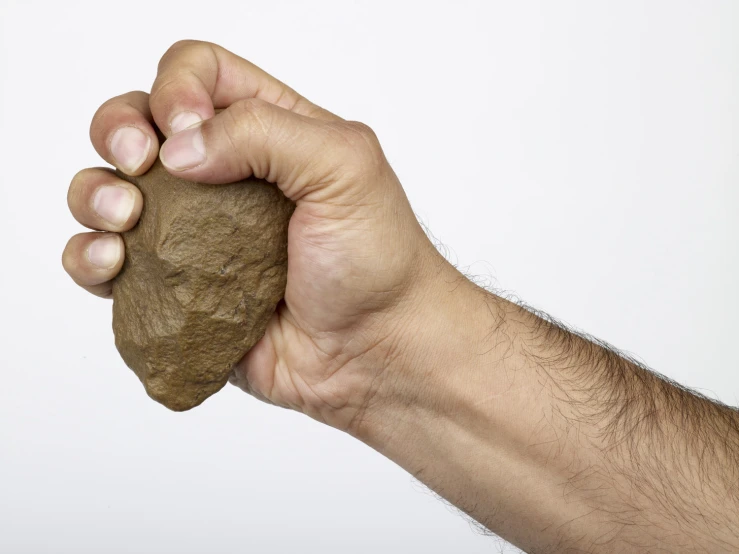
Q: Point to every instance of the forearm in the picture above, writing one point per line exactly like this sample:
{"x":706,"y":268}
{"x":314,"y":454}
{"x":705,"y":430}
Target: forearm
{"x":552,"y":441}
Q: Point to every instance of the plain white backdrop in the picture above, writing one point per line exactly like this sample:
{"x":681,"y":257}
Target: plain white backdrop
{"x":584,"y":155}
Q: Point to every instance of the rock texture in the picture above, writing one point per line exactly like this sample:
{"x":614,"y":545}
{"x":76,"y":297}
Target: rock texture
{"x":204,"y":269}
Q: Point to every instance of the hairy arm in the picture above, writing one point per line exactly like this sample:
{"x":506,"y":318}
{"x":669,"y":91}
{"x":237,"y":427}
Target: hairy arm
{"x":552,"y":440}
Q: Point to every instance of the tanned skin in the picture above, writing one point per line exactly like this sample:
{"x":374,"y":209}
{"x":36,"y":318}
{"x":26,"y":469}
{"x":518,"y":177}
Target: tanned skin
{"x":550,"y":439}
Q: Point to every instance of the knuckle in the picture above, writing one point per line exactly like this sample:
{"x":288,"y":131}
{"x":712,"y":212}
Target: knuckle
{"x":174,"y":71}
{"x":247,"y":108}
{"x":362,"y":150}
{"x":230,"y":131}
{"x":159,"y":89}
{"x":361,"y":130}
{"x":78,"y":178}
{"x":251,"y":114}
{"x":69,"y":262}
{"x":104,"y":108}
{"x":103,"y":119}
{"x":247,"y":124}
{"x":112,"y":110}
{"x":75,"y":187}
{"x":185,"y":51}
{"x":179,"y":44}
{"x":98,"y":121}
{"x":107,"y":109}
{"x":177,"y":47}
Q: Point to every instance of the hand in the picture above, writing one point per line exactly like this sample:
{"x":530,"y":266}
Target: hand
{"x":548,"y":439}
{"x":357,"y":256}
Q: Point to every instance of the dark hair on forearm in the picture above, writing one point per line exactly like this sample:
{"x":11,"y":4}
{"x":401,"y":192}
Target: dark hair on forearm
{"x":679,"y":448}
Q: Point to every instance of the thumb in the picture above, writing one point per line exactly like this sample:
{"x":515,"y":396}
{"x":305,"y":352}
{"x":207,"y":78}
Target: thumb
{"x":300,"y":154}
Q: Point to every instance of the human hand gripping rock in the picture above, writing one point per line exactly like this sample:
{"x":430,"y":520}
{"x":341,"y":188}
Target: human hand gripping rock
{"x":549,"y":439}
{"x":357,"y":258}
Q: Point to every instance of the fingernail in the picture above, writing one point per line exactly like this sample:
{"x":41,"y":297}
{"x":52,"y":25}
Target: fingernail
{"x":105,"y":252}
{"x":113,"y":203}
{"x":183,"y":120}
{"x":130,"y":147}
{"x":184,"y":150}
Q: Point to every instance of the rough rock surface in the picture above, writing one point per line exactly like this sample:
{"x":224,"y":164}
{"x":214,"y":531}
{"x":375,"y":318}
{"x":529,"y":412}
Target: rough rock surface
{"x":204,"y":269}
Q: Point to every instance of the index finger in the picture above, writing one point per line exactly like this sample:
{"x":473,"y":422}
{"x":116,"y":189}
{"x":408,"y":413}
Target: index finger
{"x":195,"y":78}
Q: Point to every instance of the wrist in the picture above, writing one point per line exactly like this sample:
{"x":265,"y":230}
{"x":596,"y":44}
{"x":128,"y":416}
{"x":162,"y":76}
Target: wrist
{"x":458,"y":407}
{"x":442,"y":340}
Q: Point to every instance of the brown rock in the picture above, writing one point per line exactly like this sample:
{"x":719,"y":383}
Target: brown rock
{"x":204,"y":269}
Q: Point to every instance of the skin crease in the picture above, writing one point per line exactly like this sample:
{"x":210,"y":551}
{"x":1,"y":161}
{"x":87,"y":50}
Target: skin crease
{"x":553,"y":442}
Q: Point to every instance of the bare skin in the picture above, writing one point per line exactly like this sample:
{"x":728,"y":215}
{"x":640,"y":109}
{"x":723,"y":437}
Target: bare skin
{"x":548,"y":439}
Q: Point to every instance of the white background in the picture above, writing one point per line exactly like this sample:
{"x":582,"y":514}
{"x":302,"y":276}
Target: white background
{"x":580,"y":154}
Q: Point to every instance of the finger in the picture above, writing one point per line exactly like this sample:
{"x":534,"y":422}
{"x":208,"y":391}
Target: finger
{"x":195,"y":77}
{"x":93,"y":259}
{"x":101,"y":201}
{"x":122,"y":133}
{"x":301,"y":155}
{"x":254,"y":373}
